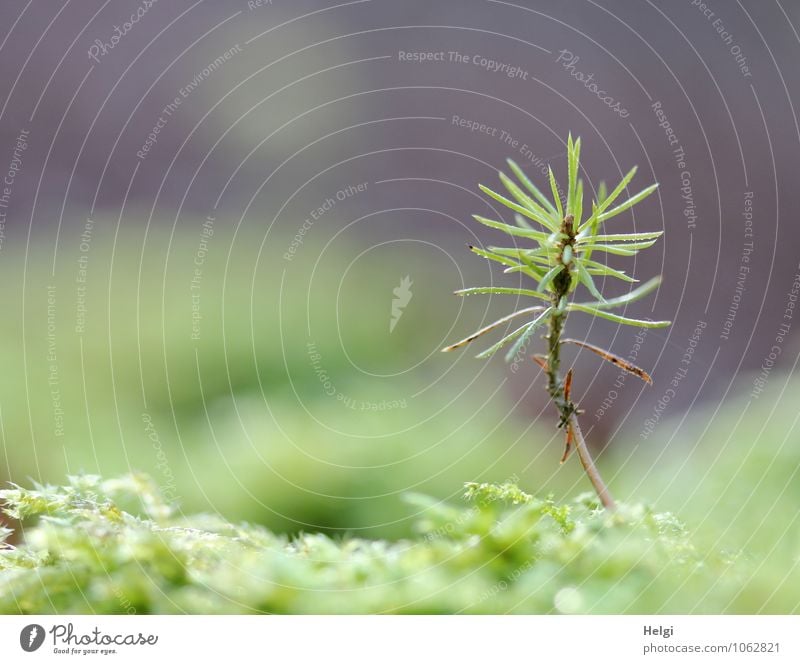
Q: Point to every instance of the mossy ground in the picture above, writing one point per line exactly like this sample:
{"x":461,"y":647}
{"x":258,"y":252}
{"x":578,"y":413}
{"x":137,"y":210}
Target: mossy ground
{"x":115,"y":546}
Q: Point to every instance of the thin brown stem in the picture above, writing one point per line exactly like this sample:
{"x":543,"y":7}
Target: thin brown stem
{"x":555,"y":386}
{"x":588,"y":465}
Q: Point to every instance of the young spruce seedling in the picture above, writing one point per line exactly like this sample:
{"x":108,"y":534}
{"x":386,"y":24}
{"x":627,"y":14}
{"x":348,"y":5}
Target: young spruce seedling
{"x":559,"y":261}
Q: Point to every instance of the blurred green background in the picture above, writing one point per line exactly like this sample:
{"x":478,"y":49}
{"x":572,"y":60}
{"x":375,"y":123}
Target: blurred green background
{"x":239,"y":422}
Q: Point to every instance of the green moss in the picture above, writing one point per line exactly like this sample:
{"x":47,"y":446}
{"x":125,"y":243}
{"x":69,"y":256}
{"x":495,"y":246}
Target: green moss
{"x":116,"y":546}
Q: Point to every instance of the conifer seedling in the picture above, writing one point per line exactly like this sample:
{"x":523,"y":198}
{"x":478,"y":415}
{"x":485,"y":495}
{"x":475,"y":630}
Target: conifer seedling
{"x":559,"y":261}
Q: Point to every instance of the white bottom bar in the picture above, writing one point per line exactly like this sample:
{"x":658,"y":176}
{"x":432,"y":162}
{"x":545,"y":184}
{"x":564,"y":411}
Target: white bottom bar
{"x":390,"y":639}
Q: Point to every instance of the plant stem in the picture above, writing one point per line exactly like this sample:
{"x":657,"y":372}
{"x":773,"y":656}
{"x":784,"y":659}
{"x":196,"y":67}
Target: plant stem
{"x":555,"y":385}
{"x":588,"y":465}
